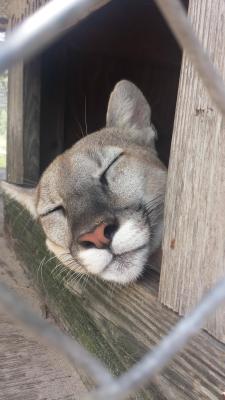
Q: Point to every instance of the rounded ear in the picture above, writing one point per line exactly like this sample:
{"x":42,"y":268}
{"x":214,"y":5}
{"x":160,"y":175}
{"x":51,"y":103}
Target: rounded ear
{"x":128,"y":108}
{"x":24,"y":196}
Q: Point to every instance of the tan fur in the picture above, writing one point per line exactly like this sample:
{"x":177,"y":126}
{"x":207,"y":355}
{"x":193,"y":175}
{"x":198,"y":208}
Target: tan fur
{"x":132,"y":192}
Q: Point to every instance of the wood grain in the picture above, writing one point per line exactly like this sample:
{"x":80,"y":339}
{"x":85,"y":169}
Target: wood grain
{"x":118,"y":324}
{"x":194,"y":239}
{"x":23,"y":123}
{"x":23,"y":149}
{"x":21,"y":9}
{"x":15,"y":125}
{"x":31,"y":120}
{"x":29,"y":369}
{"x":23,"y":112}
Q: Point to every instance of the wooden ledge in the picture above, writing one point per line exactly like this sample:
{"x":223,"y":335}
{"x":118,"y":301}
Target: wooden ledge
{"x":117,"y":324}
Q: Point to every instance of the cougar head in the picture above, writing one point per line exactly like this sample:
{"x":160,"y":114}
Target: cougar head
{"x":101,"y":201}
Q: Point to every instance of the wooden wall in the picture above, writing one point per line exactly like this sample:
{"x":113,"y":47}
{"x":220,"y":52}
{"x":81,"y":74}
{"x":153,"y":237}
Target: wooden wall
{"x":194,"y":239}
{"x":23,"y":137}
{"x":21,"y":9}
{"x":24,"y":100}
{"x":115,"y":323}
{"x":64,"y":91}
{"x":79,"y":72}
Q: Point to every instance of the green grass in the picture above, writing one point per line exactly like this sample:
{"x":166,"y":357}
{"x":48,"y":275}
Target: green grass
{"x":2,"y":161}
{"x":3,"y":122}
{"x":3,"y":141}
{"x":2,"y":151}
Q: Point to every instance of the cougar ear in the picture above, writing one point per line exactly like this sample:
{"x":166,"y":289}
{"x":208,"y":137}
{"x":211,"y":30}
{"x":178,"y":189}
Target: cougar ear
{"x":24,"y":196}
{"x":128,"y":108}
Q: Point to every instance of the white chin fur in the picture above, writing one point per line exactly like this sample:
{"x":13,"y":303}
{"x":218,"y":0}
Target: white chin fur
{"x":126,"y":269}
{"x":95,"y":260}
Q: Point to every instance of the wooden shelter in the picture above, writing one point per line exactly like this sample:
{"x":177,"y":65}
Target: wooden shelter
{"x":61,"y":95}
{"x":4,"y":11}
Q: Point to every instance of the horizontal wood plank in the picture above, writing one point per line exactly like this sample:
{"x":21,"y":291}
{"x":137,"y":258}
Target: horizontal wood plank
{"x":117,"y":324}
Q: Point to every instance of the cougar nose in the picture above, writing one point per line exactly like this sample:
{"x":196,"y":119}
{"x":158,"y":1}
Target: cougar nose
{"x":100,"y":237}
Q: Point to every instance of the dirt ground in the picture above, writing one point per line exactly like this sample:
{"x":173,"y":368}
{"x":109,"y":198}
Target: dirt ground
{"x":29,"y":370}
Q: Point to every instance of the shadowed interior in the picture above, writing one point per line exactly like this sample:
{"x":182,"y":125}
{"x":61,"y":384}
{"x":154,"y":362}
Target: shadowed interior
{"x":123,"y":40}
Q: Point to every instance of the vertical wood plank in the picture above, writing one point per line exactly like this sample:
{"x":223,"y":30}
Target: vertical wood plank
{"x":23,"y":112}
{"x":31,"y":121}
{"x":15,"y":125}
{"x":194,"y":237}
{"x":23,"y":140}
{"x":24,"y":103}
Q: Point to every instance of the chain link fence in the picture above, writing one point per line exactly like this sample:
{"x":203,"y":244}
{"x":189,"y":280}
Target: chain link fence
{"x":34,"y":34}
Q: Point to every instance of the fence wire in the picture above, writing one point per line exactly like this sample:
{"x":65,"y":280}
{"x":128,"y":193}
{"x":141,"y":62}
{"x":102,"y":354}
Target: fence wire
{"x":42,"y":28}
{"x":29,"y":38}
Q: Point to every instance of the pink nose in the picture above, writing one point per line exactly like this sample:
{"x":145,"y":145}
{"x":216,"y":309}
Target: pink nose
{"x":100,"y":237}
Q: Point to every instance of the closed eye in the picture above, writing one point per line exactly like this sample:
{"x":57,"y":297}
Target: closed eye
{"x":58,"y":208}
{"x":103,"y":177}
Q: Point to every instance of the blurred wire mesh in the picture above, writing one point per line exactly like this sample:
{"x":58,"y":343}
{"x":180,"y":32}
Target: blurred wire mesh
{"x":30,"y":37}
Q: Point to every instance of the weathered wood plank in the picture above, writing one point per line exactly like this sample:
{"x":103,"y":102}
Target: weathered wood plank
{"x":31,"y":120}
{"x":15,"y":125}
{"x":23,"y":137}
{"x":23,"y":149}
{"x":18,"y":10}
{"x":23,"y":140}
{"x":118,"y":324}
{"x":21,"y":9}
{"x":29,"y":369}
{"x":194,"y":239}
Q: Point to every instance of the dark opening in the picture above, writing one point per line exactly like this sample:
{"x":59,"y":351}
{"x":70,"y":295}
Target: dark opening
{"x":125,"y":39}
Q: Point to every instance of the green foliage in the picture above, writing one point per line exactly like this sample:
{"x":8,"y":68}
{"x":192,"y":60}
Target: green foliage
{"x":3,"y":122}
{"x":3,"y":111}
{"x":4,"y":82}
{"x":2,"y":161}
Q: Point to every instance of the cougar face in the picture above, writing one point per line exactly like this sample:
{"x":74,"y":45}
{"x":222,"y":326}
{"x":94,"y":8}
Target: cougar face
{"x":101,"y":202}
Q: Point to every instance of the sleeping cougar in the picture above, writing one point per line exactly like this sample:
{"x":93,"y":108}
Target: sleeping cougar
{"x":101,"y":202}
